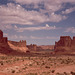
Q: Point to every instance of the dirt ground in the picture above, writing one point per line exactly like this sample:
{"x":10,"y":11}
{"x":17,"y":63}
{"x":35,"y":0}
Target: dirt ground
{"x":22,"y":65}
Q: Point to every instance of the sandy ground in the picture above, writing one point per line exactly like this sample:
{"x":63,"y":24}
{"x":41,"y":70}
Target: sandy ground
{"x":11,"y":65}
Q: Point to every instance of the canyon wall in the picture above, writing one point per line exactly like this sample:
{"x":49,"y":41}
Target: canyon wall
{"x":19,"y":46}
{"x":65,"y":43}
{"x":11,"y":45}
{"x":32,"y":47}
{"x":3,"y":40}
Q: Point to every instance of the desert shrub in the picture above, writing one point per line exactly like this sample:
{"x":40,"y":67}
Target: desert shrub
{"x":55,"y":63}
{"x":37,"y":63}
{"x":27,"y":51}
{"x":62,"y":62}
{"x":53,"y":71}
{"x":43,"y":64}
{"x":49,"y":59}
{"x":29,"y":58}
{"x":9,"y":61}
{"x":45,"y":73}
{"x":24,"y":68}
{"x":47,"y":67}
{"x":65,"y":73}
{"x":1,"y":62}
{"x":13,"y":71}
{"x":59,"y":73}
{"x":32,"y":74}
{"x":73,"y":73}
{"x":17,"y":59}
{"x":3,"y":57}
{"x":30,"y":64}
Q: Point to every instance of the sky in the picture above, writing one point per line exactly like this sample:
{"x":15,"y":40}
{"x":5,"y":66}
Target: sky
{"x":40,"y":22}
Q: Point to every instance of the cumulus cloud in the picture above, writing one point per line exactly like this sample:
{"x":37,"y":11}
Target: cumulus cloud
{"x":67,"y":11}
{"x":47,"y":27}
{"x":56,"y":18}
{"x":70,"y":29}
{"x":16,"y":14}
{"x":28,"y":1}
{"x":52,"y":5}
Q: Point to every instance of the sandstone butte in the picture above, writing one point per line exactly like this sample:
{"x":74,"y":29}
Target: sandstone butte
{"x":65,"y":44}
{"x":21,"y":45}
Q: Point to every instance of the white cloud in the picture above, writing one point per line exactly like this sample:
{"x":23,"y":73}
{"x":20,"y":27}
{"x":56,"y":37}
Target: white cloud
{"x":47,"y":37}
{"x":29,"y":1}
{"x":47,"y":27}
{"x":16,"y":37}
{"x":5,"y":34}
{"x":16,"y":14}
{"x":70,"y":29}
{"x":56,"y":18}
{"x":52,"y":5}
{"x":67,"y":11}
{"x":6,"y":27}
{"x":21,"y":37}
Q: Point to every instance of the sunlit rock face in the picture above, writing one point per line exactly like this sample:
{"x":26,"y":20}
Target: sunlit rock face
{"x":8,"y":45}
{"x":19,"y":46}
{"x":65,"y":43}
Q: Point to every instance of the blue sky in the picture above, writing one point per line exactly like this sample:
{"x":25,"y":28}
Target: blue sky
{"x":40,"y":22}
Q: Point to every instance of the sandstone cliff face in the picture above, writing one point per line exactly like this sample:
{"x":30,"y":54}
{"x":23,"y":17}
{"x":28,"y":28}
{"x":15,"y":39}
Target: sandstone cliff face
{"x":4,"y":47}
{"x":32,"y":47}
{"x":2,"y":39}
{"x":19,"y":46}
{"x":11,"y":45}
{"x":65,"y":43}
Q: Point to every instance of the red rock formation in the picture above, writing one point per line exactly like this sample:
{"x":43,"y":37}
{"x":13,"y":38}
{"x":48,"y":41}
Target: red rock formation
{"x":3,"y":39}
{"x":18,"y":46}
{"x":65,"y":43}
{"x":1,"y":34}
{"x":73,"y":41}
{"x":21,"y":43}
{"x":32,"y":47}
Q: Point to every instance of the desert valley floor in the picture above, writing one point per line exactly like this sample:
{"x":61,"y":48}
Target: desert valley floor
{"x":37,"y":65}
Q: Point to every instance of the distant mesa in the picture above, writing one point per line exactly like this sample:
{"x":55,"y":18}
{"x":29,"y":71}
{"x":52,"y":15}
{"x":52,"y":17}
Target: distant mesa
{"x":65,"y":43}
